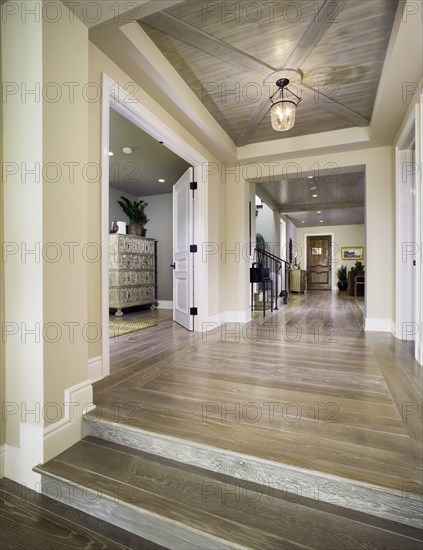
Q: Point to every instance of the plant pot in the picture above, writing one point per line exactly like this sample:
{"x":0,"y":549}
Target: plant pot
{"x":134,"y":229}
{"x":143,"y":232}
{"x":342,"y":285}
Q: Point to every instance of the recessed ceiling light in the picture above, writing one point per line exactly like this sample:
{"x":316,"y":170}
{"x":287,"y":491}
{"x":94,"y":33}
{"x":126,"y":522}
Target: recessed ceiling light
{"x":127,"y":150}
{"x":319,"y":211}
{"x":111,"y":154}
{"x":313,"y":188}
{"x":314,"y":196}
{"x":310,"y":177}
{"x":161,"y":180}
{"x":321,"y":221}
{"x":302,"y":221}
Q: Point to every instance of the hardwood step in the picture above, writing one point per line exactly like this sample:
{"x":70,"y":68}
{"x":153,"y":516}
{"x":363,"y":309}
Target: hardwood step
{"x":402,"y":506}
{"x":181,"y":506}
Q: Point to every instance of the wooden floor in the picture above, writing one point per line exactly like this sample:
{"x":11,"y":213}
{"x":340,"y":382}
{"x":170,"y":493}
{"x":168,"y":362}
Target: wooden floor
{"x":31,"y":521}
{"x":304,"y":386}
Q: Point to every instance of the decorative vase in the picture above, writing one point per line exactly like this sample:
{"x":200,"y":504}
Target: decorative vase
{"x":134,"y":229}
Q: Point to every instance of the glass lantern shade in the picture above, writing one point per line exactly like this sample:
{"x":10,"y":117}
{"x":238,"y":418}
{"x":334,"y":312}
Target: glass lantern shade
{"x":282,"y":115}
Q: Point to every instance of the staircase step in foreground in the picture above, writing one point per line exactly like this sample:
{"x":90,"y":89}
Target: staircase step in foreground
{"x":181,"y":506}
{"x":298,"y":484}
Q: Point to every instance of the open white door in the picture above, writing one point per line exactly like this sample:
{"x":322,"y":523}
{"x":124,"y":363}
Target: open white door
{"x":183,"y":262}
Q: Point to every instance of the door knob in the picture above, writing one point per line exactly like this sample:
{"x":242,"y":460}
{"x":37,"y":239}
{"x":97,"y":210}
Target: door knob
{"x":173,"y":266}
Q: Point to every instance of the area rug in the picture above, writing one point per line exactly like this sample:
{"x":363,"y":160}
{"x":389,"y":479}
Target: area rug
{"x":119,"y":328}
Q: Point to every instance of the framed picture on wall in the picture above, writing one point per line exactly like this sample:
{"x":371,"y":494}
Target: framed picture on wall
{"x":352,"y":253}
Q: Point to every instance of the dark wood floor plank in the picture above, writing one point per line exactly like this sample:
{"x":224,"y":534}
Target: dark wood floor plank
{"x":33,"y":521}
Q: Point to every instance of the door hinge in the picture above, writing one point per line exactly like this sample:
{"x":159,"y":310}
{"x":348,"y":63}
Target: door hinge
{"x":193,"y":186}
{"x":193,"y":311}
{"x":193,"y":248}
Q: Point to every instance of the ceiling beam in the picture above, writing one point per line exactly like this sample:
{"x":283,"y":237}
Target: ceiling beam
{"x":287,"y":208}
{"x":324,"y":18}
{"x":209,"y":44}
{"x":332,"y":106}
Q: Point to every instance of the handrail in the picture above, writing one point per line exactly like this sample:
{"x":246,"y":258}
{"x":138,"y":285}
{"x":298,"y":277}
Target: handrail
{"x":261,"y":253}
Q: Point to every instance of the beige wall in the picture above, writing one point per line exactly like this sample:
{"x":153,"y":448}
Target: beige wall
{"x":342,"y":235}
{"x":2,"y":358}
{"x":65,"y":140}
{"x":236,"y":288}
{"x":45,"y":290}
{"x":22,"y":223}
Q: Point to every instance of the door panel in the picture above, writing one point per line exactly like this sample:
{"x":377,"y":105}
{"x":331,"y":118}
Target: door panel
{"x":319,"y":262}
{"x":183,"y":274}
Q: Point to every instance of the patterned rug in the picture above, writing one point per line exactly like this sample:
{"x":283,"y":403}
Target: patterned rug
{"x":118,"y":328}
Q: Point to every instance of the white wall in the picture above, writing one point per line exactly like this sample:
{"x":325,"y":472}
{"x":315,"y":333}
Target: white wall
{"x":291,"y":233}
{"x":342,"y":235}
{"x":159,"y":211}
{"x":267,"y":223}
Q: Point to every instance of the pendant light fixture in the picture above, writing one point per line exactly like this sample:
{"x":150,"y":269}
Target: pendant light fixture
{"x":284,"y":106}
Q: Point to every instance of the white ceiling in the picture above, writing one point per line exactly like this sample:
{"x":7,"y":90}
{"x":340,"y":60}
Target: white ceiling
{"x":138,"y":173}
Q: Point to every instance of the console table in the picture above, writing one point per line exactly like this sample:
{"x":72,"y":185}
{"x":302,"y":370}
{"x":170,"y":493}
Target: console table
{"x":297,"y":280}
{"x":132,"y":266}
{"x":356,"y":282}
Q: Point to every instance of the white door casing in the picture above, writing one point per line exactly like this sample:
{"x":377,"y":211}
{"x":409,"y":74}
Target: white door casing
{"x":183,"y":237}
{"x":116,"y":97}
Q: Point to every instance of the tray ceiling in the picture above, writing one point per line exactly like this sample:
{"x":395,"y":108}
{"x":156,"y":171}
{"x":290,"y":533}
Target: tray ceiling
{"x":228,"y":51}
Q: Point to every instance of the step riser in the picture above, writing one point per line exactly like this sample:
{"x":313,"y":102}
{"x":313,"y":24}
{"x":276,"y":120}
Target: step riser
{"x":138,"y":521}
{"x":298,"y":485}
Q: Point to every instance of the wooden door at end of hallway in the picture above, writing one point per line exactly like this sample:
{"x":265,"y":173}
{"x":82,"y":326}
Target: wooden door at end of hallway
{"x":319,"y":262}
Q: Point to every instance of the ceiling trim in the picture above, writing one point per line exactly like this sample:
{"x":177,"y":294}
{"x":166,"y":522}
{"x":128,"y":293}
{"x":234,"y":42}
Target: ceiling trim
{"x":286,"y":209}
{"x":311,"y":144}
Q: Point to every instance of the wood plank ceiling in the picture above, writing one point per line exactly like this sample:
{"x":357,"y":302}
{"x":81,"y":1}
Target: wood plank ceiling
{"x":230,"y":53}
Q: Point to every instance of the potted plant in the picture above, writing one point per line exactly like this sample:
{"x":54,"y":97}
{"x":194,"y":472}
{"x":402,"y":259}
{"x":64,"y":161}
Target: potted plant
{"x":342,"y":277}
{"x":358,"y":266}
{"x":259,"y":270}
{"x":260,"y":248}
{"x":137,"y":217}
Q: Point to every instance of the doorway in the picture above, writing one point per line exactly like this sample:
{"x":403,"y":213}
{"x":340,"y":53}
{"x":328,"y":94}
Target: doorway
{"x":116,"y":97}
{"x":319,"y":262}
{"x":407,"y":324}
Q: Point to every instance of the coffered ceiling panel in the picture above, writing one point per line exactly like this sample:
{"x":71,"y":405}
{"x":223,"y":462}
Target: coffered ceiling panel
{"x":228,"y":51}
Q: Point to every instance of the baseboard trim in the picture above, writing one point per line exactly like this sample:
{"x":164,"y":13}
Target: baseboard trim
{"x":95,"y":369}
{"x":2,"y":456}
{"x":38,"y":444}
{"x":165,"y":304}
{"x":230,"y":317}
{"x":373,"y":324}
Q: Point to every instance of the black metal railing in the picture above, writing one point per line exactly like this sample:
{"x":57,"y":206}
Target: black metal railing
{"x":274,"y":264}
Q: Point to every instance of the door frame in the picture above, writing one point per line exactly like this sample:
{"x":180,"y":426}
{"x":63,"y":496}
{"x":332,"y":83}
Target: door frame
{"x":116,"y":97}
{"x":326,"y":233}
{"x":404,"y":299}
